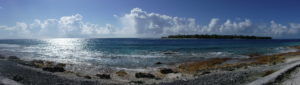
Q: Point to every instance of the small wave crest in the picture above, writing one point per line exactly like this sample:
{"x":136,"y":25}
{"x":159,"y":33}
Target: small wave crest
{"x":219,"y":55}
{"x":285,"y":49}
{"x":9,"y":45}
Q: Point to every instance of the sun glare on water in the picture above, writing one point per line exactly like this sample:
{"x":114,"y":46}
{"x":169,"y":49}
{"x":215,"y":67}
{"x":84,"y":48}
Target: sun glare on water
{"x":65,"y":50}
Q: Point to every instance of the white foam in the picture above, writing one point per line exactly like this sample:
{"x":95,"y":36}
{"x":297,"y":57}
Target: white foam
{"x":286,"y":49}
{"x":218,"y":55}
{"x":6,"y":81}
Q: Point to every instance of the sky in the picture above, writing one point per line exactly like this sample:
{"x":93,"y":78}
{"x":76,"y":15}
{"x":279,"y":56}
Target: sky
{"x":147,"y":18}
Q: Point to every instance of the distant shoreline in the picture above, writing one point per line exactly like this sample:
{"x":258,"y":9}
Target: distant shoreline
{"x":214,"y":36}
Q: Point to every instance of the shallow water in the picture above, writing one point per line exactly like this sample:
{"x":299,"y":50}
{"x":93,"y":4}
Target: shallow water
{"x":133,"y":52}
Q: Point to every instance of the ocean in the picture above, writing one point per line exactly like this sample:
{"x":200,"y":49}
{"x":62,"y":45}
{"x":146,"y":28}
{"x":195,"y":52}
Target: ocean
{"x":136,"y":53}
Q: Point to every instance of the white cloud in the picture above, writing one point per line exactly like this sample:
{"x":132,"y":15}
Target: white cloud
{"x":142,"y":23}
{"x":139,"y":23}
{"x":66,"y":26}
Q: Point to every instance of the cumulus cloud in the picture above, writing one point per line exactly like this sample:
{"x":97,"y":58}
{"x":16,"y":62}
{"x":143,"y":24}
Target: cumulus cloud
{"x":142,"y":23}
{"x":66,"y":26}
{"x":139,"y":23}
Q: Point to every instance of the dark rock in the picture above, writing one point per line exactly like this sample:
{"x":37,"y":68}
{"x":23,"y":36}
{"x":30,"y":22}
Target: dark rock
{"x":157,"y":78}
{"x":54,"y":69}
{"x":88,"y":77}
{"x":230,"y":69}
{"x":42,"y":64}
{"x":144,"y":75}
{"x":205,"y":72}
{"x":2,"y":57}
{"x":48,"y":66}
{"x":13,"y":58}
{"x":137,"y":82}
{"x":158,"y":63}
{"x":166,"y":71}
{"x":18,"y":78}
{"x":61,"y":65}
{"x":103,"y":76}
{"x":35,"y":62}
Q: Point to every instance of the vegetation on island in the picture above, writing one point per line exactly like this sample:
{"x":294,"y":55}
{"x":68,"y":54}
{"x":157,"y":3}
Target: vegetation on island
{"x":214,"y":36}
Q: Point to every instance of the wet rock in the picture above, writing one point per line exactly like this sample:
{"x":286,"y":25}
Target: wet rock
{"x":166,"y":71}
{"x":18,"y":78}
{"x":48,"y":66}
{"x":103,"y":76}
{"x":144,"y":75}
{"x":42,"y":64}
{"x":88,"y":77}
{"x":37,"y":63}
{"x":54,"y":69}
{"x":60,"y":65}
{"x":121,"y":73}
{"x":137,"y":82}
{"x":13,"y":58}
{"x":158,"y":63}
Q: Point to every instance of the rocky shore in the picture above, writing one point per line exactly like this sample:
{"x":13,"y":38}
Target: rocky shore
{"x":216,"y":71}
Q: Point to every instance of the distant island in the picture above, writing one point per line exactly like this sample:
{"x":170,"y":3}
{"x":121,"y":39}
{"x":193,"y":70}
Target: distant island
{"x":214,"y":36}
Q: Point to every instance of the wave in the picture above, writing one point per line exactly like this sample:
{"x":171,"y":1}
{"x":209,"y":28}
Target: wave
{"x":10,"y":45}
{"x":285,"y":49}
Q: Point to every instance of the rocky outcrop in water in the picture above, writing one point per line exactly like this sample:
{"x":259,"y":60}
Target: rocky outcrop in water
{"x":158,"y":63}
{"x":13,"y":58}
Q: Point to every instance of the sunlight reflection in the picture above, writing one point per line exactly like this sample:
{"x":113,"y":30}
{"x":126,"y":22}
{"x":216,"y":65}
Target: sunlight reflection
{"x":65,"y":50}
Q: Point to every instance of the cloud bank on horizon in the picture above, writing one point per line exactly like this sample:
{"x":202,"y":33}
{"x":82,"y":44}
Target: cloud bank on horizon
{"x":139,"y":23}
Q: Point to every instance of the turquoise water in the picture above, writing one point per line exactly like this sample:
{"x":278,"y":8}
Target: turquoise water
{"x":132,"y":52}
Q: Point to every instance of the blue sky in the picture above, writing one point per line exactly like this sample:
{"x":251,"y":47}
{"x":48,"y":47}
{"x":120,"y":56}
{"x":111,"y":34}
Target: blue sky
{"x":108,"y":18}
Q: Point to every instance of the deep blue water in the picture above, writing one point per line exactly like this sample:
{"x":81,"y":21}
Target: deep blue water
{"x":132,"y":52}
